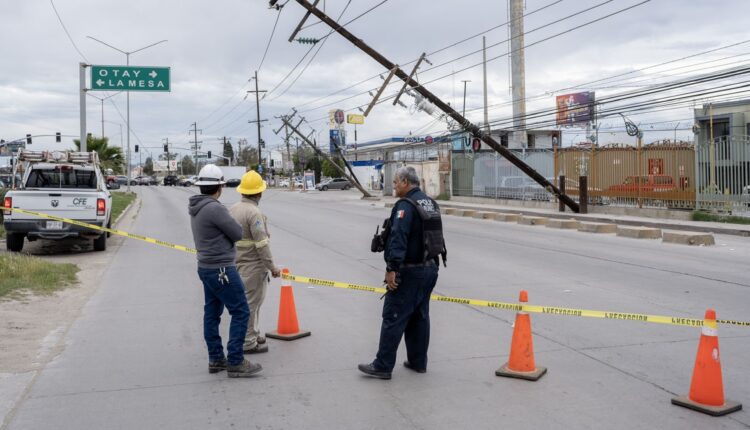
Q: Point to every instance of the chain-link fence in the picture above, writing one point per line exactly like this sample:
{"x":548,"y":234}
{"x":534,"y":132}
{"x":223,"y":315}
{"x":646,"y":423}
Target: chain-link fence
{"x":488,"y":174}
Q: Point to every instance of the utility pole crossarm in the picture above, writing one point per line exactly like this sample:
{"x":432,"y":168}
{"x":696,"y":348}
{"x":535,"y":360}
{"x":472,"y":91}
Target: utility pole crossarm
{"x":466,"y":124}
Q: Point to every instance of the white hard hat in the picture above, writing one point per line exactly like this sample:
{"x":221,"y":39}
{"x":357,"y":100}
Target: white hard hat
{"x":210,"y":175}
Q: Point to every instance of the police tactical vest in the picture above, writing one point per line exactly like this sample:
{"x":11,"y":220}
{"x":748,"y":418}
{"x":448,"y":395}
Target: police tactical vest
{"x":432,"y":228}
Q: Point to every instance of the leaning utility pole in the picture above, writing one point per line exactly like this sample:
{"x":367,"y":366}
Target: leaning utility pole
{"x":484,"y":74}
{"x":257,"y":111}
{"x":466,"y":124}
{"x":304,"y":138}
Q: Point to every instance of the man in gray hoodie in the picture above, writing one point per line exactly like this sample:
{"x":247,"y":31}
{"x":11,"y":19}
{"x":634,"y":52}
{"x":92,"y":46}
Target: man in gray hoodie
{"x":215,"y":233}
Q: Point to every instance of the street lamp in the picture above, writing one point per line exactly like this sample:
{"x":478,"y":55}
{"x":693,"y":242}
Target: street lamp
{"x":127,"y":62}
{"x":101,"y":99}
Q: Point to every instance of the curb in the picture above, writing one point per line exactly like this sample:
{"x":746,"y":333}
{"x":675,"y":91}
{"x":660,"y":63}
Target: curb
{"x":604,"y":219}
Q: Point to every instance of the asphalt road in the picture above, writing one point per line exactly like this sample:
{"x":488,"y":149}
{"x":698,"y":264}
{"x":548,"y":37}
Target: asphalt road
{"x":136,"y":357}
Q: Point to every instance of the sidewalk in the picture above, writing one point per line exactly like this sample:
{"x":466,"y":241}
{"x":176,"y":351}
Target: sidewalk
{"x":668,"y":224}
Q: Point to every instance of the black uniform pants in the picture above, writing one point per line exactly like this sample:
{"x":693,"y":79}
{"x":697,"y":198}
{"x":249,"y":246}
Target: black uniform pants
{"x":406,"y":312}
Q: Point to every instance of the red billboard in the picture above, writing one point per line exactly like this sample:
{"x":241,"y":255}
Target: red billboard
{"x":575,"y":108}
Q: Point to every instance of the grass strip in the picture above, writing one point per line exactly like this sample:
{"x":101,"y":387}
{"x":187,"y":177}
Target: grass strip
{"x":120,"y":200}
{"x":22,"y":274}
{"x":705,"y":216}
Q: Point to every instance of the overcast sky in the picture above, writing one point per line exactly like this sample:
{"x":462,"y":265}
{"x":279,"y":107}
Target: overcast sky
{"x":215,"y":46}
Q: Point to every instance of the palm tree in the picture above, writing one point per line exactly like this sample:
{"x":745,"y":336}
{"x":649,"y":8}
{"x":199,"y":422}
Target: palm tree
{"x":110,"y":157}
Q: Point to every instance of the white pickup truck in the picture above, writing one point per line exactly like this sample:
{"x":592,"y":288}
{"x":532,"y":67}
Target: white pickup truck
{"x":65,"y":184}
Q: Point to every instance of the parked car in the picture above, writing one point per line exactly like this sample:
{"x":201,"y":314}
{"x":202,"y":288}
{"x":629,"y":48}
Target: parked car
{"x":7,"y":179}
{"x":646,"y":183}
{"x":334,"y":184}
{"x":121,"y":179}
{"x":234,"y":182}
{"x":284,"y":183}
{"x":144,"y":180}
{"x":170,"y":180}
{"x":189,"y":181}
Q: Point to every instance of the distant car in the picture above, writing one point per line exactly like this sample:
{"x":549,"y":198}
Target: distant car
{"x":170,"y":180}
{"x":334,"y":184}
{"x":121,"y":179}
{"x":144,"y":180}
{"x":7,"y":179}
{"x":234,"y":182}
{"x":189,"y":181}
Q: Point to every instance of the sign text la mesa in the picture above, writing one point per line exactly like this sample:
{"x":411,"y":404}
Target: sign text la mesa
{"x":130,"y":78}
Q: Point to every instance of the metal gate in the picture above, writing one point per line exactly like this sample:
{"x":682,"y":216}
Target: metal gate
{"x":723,"y":174}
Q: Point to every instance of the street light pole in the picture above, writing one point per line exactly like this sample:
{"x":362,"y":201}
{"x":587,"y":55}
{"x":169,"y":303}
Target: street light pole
{"x":127,"y":62}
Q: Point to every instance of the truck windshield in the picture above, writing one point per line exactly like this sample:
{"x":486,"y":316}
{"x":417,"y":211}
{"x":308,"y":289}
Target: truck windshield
{"x":61,"y":177}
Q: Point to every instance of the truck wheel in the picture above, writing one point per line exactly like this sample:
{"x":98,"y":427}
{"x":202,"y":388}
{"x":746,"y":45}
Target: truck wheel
{"x":100,"y":243}
{"x":14,"y":242}
{"x":109,"y":225}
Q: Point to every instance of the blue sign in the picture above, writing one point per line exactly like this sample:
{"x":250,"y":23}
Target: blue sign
{"x":334,"y":140}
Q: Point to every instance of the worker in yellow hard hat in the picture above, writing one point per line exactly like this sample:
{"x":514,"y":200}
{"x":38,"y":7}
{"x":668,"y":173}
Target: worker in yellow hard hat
{"x":254,"y":259}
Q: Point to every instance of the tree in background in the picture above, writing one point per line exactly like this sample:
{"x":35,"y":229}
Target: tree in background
{"x":248,"y":157}
{"x":228,"y":152}
{"x":186,"y":166}
{"x":148,"y":166}
{"x":328,"y":169}
{"x":110,"y":157}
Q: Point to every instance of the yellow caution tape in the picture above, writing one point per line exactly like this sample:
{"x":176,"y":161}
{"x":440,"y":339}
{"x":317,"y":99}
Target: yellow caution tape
{"x":553,"y":310}
{"x":105,"y":229}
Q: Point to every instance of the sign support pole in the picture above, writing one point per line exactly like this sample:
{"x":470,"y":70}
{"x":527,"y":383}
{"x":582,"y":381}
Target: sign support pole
{"x":82,"y":95}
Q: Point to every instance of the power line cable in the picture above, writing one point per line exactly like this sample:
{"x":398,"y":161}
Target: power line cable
{"x":430,"y":53}
{"x":66,"y":32}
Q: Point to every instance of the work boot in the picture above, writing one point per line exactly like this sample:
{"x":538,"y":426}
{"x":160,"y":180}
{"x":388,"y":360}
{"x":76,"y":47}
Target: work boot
{"x":410,"y":367}
{"x":257,"y":349}
{"x":261,"y":339}
{"x":217,"y":366}
{"x":243,"y":370}
{"x":372,"y":371}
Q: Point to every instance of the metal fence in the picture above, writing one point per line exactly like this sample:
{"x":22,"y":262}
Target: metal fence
{"x":656,"y":175}
{"x":488,"y":174}
{"x":723,"y":174}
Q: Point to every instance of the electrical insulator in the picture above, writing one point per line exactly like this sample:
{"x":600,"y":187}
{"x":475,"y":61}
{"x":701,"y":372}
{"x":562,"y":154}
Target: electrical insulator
{"x":307,"y":40}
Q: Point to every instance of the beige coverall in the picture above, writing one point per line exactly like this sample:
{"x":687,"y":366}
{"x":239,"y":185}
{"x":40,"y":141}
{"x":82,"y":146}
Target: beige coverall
{"x":254,"y":261}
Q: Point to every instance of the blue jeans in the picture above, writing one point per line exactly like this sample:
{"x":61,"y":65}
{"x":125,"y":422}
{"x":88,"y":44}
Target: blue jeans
{"x":406,"y":312}
{"x":218,"y":295}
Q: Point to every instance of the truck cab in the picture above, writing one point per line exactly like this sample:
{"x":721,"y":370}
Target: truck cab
{"x":64,"y":184}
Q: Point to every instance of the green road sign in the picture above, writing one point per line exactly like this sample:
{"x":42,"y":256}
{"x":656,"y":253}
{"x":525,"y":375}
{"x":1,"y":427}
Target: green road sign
{"x":129,"y":78}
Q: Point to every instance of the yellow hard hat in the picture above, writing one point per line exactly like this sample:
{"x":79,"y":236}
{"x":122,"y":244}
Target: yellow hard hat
{"x":251,"y":183}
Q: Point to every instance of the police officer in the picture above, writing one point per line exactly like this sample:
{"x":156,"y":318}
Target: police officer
{"x":254,"y":259}
{"x":410,"y":277}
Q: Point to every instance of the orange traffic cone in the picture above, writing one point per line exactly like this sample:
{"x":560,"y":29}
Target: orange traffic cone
{"x":707,"y":389}
{"x":287,"y":327}
{"x":521,"y":362}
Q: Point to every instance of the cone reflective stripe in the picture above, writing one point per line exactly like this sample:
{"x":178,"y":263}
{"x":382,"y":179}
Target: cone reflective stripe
{"x":287,"y":327}
{"x":521,"y":362}
{"x":707,"y":387}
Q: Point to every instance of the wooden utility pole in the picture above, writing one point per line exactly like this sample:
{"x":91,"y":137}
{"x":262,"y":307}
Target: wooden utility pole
{"x":304,"y":138}
{"x":466,"y":124}
{"x":257,"y":112}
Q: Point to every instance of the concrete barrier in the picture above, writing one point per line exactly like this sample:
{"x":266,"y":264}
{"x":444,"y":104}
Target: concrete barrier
{"x":390,"y":204}
{"x":597,"y":227}
{"x":450,"y":211}
{"x":688,"y":238}
{"x":567,"y":224}
{"x":532,"y":220}
{"x":638,"y":232}
{"x":506,"y":217}
{"x":444,"y":211}
{"x":467,"y":213}
{"x":484,"y":215}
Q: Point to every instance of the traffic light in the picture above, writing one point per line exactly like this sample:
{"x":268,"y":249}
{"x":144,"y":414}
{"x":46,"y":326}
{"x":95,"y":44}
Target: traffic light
{"x":136,"y":148}
{"x":58,"y":137}
{"x":209,"y":154}
{"x":166,"y":148}
{"x":28,"y":139}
